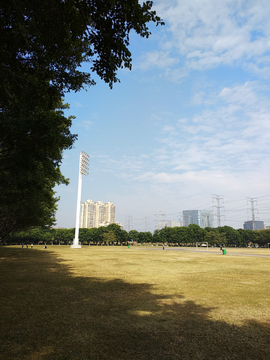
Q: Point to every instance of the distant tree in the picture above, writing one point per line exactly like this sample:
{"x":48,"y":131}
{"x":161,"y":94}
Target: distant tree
{"x":134,"y":235}
{"x":208,"y":228}
{"x":124,"y":237}
{"x":263,"y":237}
{"x":183,"y":235}
{"x":165,"y":234}
{"x":156,"y":236}
{"x":116,"y":229}
{"x":84,"y":236}
{"x":145,"y":237}
{"x":98,"y":234}
{"x":215,"y":238}
{"x":64,"y":236}
{"x":109,"y":237}
{"x":141,"y":237}
{"x":196,"y":233}
{"x":148,"y":237}
{"x":173,"y":235}
{"x":232,"y":235}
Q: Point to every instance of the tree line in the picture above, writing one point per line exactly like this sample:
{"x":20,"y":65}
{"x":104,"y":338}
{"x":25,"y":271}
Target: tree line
{"x":113,"y":235}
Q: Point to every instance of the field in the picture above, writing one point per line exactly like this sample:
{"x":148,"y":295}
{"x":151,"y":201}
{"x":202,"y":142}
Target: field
{"x":116,"y":303}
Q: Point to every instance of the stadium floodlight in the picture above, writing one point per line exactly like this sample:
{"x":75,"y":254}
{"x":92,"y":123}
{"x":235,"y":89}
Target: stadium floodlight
{"x":83,"y":170}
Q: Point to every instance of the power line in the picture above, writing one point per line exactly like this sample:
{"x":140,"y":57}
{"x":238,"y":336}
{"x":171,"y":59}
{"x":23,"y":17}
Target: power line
{"x":234,"y":214}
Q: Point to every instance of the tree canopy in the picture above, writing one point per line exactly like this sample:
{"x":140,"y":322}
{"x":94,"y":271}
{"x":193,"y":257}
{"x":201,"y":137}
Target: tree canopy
{"x":112,"y":234}
{"x":43,"y":45}
{"x":29,"y":167}
{"x":49,"y":41}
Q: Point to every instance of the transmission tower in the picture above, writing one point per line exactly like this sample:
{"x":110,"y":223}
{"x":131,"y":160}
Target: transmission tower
{"x":128,"y":222}
{"x":146,"y":223}
{"x":252,"y":201}
{"x":159,"y":221}
{"x":218,"y":198}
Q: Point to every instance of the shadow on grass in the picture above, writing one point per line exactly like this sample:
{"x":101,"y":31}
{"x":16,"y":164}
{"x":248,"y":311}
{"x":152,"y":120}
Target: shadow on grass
{"x":46,"y":313}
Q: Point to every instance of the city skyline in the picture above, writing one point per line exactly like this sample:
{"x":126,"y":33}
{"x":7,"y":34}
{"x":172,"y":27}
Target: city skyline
{"x":161,"y":219}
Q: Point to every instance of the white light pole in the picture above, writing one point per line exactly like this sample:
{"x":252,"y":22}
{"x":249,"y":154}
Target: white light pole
{"x":83,"y":170}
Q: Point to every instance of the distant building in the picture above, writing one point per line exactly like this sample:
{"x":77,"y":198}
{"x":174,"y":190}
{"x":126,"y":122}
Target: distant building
{"x":172,"y":223}
{"x":203,"y":218}
{"x":94,"y":214}
{"x":253,"y":225}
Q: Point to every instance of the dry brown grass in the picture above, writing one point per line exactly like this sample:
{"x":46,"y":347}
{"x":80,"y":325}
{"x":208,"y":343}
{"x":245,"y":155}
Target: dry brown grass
{"x":119,"y":303}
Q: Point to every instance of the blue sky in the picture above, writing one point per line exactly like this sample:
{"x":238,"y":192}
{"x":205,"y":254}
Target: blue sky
{"x":190,"y":121}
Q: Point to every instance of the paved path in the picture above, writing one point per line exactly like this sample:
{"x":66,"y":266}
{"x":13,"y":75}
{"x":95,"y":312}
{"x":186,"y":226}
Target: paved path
{"x":201,"y":251}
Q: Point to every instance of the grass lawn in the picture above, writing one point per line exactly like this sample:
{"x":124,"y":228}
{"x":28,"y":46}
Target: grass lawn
{"x":115,"y":303}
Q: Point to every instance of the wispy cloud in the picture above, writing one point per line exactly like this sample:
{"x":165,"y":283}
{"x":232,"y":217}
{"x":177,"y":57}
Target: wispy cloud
{"x":160,"y":59}
{"x":233,"y":135}
{"x":86,"y":124}
{"x":207,"y":35}
{"x":226,"y":138}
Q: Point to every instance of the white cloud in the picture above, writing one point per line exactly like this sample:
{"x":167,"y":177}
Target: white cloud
{"x":228,"y":137}
{"x":158,"y":59}
{"x":208,"y":34}
{"x":86,"y":124}
{"x":240,"y":95}
{"x":234,"y":134}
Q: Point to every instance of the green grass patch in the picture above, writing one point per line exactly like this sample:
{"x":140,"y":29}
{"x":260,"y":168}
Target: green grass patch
{"x":119,"y":303}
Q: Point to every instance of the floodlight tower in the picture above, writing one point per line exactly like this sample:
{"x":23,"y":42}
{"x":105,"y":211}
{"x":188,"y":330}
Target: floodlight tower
{"x":83,"y":170}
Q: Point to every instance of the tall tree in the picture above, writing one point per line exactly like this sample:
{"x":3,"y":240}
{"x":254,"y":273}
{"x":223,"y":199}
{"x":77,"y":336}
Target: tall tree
{"x":43,"y":45}
{"x":29,"y":167}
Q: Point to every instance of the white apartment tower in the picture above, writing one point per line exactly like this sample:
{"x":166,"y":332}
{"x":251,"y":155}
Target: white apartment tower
{"x":96,"y":214}
{"x":110,"y":212}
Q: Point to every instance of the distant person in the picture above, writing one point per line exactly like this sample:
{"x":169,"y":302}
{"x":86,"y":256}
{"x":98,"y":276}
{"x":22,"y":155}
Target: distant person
{"x":22,"y":246}
{"x":221,"y":247}
{"x":163,"y":247}
{"x":32,"y":246}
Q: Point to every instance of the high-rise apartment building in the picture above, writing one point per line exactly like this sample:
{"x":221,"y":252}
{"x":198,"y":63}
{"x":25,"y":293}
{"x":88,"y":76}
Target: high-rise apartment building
{"x":203,"y":218}
{"x":110,"y":212}
{"x":96,"y":214}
